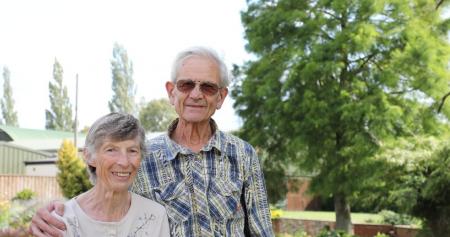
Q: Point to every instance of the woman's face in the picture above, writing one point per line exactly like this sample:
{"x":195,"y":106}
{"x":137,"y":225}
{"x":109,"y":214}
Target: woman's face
{"x":116,"y":164}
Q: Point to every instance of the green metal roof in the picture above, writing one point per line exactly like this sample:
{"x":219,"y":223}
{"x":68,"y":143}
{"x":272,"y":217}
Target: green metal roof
{"x":38,"y":139}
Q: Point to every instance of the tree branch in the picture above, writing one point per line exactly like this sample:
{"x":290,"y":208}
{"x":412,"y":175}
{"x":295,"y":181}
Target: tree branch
{"x":443,"y":99}
{"x":439,"y":4}
{"x":365,"y":61}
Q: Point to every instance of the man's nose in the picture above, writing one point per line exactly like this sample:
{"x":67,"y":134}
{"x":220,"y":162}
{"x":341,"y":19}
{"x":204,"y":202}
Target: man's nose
{"x":196,"y":92}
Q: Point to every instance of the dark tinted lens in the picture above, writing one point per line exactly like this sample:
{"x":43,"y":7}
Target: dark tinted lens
{"x":209,"y":88}
{"x":185,"y":85}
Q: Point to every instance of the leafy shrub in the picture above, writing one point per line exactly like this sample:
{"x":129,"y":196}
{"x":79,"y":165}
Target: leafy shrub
{"x":25,"y":194}
{"x":275,"y":213}
{"x":381,"y":235}
{"x":328,"y":233}
{"x":299,"y":233}
{"x":393,"y":218}
{"x":15,"y":215}
{"x":4,"y":214}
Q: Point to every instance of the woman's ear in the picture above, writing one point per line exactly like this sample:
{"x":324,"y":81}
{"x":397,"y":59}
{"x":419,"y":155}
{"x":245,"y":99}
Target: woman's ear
{"x":88,"y":158}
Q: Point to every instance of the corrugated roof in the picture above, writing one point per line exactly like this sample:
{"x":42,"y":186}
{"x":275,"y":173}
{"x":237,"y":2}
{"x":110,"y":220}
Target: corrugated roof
{"x":43,"y":140}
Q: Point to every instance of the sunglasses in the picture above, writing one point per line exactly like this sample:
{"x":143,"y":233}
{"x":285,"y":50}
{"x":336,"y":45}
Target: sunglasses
{"x":207,"y":88}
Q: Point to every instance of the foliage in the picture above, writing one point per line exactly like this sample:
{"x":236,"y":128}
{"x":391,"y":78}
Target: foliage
{"x":72,"y":177}
{"x":59,"y":117}
{"x":122,"y":82}
{"x":25,"y":194}
{"x":4,"y":213}
{"x":332,"y":233}
{"x":432,"y":188}
{"x":7,"y":102}
{"x":299,"y":233}
{"x":420,"y":186}
{"x":393,"y":218}
{"x":330,"y":81}
{"x":275,"y":213}
{"x":157,"y":115}
{"x":275,"y":177}
{"x":16,"y":215}
{"x":381,"y":235}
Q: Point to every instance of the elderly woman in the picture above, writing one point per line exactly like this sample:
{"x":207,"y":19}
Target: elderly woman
{"x":113,"y":150}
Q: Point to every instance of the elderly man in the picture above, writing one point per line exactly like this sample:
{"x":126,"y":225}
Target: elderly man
{"x":209,"y":181}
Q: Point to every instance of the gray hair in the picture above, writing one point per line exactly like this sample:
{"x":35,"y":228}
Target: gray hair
{"x":202,"y":52}
{"x":114,"y":126}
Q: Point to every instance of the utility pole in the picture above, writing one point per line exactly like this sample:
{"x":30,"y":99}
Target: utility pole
{"x":75,"y":133}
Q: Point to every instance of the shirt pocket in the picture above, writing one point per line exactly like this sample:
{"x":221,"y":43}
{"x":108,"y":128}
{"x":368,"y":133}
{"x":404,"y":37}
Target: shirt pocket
{"x":176,"y":200}
{"x":224,"y":200}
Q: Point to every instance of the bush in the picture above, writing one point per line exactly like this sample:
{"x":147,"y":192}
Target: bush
{"x":276,"y":213}
{"x":15,"y":217}
{"x":72,"y":176}
{"x":4,"y":214}
{"x":299,"y":233}
{"x":24,"y":195}
{"x":393,"y":218}
{"x":328,"y":233}
{"x":381,"y":235}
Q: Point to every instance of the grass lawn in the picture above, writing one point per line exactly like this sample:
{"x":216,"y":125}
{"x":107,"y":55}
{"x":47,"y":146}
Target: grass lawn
{"x":359,"y":218}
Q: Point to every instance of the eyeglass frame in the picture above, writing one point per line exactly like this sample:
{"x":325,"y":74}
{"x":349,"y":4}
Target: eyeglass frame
{"x":215,"y":86}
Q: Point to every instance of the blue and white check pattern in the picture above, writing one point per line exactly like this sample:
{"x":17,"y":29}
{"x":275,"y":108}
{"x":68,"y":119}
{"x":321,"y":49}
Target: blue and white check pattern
{"x":204,"y":192}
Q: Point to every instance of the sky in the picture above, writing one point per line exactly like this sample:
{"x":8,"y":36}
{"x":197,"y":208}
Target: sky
{"x":80,"y":35}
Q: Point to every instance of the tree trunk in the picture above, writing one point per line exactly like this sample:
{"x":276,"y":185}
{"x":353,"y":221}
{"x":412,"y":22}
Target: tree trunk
{"x":342,"y":210}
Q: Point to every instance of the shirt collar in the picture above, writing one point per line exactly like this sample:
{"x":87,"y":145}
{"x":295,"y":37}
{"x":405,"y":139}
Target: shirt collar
{"x":217,"y":141}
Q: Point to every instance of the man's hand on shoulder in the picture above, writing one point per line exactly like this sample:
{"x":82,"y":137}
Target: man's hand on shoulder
{"x":44,"y":224}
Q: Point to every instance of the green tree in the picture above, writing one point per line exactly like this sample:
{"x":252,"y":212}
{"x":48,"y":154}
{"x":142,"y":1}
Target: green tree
{"x":433,"y":193}
{"x":331,"y":80}
{"x":72,"y":177}
{"x":122,"y":82}
{"x":420,"y":184}
{"x":7,"y":102}
{"x":59,"y":117}
{"x":157,"y":115}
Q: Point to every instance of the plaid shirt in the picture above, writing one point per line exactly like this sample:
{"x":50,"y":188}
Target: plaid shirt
{"x":219,"y":191}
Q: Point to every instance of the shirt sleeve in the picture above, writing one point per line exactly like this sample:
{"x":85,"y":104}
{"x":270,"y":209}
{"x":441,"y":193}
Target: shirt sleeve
{"x":255,"y":195}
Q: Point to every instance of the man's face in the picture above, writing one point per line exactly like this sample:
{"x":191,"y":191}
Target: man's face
{"x":197,"y":104}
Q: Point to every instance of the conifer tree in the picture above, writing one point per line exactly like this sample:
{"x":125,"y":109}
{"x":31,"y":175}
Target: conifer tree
{"x":7,"y":102}
{"x":122,"y":82}
{"x":59,"y":117}
{"x":72,"y":177}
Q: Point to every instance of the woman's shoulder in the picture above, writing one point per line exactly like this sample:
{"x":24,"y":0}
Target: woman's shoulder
{"x":147,"y":204}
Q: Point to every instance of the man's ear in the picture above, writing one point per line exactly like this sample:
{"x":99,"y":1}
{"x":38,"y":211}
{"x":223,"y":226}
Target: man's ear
{"x":221,"y":98}
{"x":170,"y":90}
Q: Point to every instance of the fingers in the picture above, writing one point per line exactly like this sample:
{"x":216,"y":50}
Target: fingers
{"x":36,"y":231}
{"x":59,"y":208}
{"x":44,"y":223}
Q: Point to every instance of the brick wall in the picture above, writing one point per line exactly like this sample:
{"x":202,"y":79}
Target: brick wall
{"x":297,"y":198}
{"x":313,"y":227}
